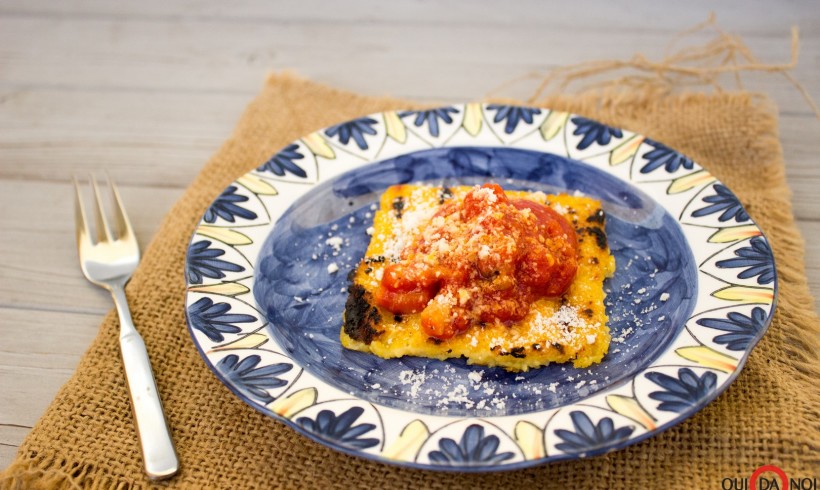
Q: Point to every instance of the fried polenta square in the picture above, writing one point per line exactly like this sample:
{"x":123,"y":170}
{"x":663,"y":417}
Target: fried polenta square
{"x":568,"y":328}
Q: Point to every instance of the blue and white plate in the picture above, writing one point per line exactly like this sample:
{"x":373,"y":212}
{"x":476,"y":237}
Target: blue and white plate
{"x":693,"y":292}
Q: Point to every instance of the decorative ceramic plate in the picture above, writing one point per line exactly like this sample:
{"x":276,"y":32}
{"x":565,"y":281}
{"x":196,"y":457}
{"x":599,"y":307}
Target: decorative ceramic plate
{"x":693,"y":292}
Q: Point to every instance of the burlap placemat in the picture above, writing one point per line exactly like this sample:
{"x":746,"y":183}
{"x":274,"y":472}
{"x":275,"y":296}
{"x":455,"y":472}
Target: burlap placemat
{"x":768,"y":416}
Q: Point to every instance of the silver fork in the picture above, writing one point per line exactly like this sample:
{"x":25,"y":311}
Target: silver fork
{"x":109,"y":262}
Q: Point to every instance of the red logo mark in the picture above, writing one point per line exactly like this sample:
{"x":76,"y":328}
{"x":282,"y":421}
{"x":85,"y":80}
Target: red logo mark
{"x":763,"y":469}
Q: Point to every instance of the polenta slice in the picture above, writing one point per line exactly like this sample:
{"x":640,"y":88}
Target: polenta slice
{"x":482,"y":273}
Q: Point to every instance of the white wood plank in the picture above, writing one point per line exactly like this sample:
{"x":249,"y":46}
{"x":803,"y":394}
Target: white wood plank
{"x":142,"y":139}
{"x":39,"y":267}
{"x":177,"y":55}
{"x":801,"y":147}
{"x":48,"y":341}
{"x":749,"y":15}
{"x":9,"y":449}
{"x":11,"y":435}
{"x":811,"y":233}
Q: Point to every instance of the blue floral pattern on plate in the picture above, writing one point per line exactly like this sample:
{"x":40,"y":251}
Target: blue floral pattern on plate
{"x":684,"y":392}
{"x":473,"y":448}
{"x":214,"y":319}
{"x":255,"y":381}
{"x":227,"y":206}
{"x":341,"y":428}
{"x":285,"y":161}
{"x":594,"y":132}
{"x":203,"y":261}
{"x":741,"y":329}
{"x":512,"y":115}
{"x":588,"y":436}
{"x":661,"y":313}
{"x":725,"y":203}
{"x":356,"y":129}
{"x":663,"y":156}
{"x":431,"y":117}
{"x":755,"y":260}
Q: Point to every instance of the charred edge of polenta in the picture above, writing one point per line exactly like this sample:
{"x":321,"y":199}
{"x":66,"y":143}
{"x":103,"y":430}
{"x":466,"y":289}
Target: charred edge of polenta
{"x":361,"y":318}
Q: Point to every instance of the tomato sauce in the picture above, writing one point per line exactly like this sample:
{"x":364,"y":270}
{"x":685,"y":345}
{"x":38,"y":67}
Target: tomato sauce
{"x":481,"y":260}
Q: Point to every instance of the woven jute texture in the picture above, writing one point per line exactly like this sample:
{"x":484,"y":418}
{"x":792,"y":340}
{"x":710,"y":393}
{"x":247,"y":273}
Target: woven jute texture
{"x":769,"y":415}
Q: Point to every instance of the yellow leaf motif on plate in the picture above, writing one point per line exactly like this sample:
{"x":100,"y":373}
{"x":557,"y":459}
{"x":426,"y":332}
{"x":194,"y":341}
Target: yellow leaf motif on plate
{"x":318,"y":146}
{"x":708,"y":357}
{"x":250,"y":341}
{"x":734,"y":234}
{"x":395,"y":127}
{"x":553,"y":124}
{"x":625,"y":150}
{"x":745,"y":294}
{"x":223,"y":288}
{"x":695,"y":179}
{"x":224,"y":235}
{"x":472,"y":118}
{"x":407,"y":446}
{"x":530,"y":439}
{"x":629,"y":407}
{"x":257,"y":185}
{"x":294,"y":403}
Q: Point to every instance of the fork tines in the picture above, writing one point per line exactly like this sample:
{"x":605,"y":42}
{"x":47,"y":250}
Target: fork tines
{"x":122,"y":228}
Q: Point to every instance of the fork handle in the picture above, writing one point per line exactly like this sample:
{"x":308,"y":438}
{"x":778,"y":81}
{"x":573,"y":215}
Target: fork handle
{"x":158,"y":452}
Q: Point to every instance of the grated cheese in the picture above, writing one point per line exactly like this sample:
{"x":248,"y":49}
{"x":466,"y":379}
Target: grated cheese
{"x":414,"y":379}
{"x":335,"y":243}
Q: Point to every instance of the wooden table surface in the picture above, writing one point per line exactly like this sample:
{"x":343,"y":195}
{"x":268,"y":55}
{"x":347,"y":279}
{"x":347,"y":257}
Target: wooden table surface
{"x":148,"y":91}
